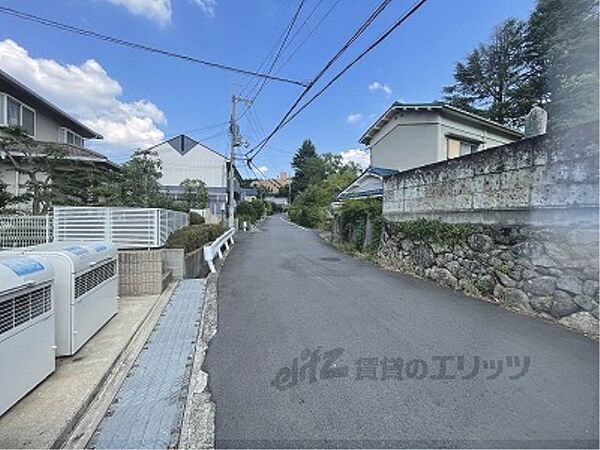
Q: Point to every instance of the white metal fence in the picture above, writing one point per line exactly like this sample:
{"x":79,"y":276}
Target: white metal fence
{"x":23,"y":231}
{"x":124,"y":227}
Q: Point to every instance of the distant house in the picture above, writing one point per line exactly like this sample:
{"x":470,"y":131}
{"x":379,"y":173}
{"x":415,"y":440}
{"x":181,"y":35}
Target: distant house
{"x":407,"y":136}
{"x":369,"y":184}
{"x":46,"y":124}
{"x":184,"y":158}
{"x":249,"y":194}
{"x":273,"y":185}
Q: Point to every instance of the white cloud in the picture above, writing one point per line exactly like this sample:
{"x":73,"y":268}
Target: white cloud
{"x":377,"y":86}
{"x":208,"y":6}
{"x":91,"y":95}
{"x":161,"y":11}
{"x":263,"y":169}
{"x":353,"y":118}
{"x":360,"y":157}
{"x":157,"y":10}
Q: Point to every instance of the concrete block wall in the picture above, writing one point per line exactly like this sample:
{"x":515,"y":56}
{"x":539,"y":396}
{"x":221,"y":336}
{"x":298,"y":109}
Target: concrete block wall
{"x":141,"y":272}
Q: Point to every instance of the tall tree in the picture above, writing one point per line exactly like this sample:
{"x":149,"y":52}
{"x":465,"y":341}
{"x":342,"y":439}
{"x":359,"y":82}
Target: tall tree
{"x":300,"y":162}
{"x":495,"y":80}
{"x":138,"y":183}
{"x":563,"y":50}
{"x":195,"y":194}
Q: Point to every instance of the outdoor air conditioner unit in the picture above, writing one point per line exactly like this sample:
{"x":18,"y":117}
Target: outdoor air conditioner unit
{"x":26,"y":325}
{"x":86,"y":289}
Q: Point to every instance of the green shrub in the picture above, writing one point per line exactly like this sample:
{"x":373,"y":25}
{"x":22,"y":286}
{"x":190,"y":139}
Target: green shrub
{"x":425,"y":230}
{"x":196,"y":219}
{"x":194,"y":237}
{"x":353,"y":220}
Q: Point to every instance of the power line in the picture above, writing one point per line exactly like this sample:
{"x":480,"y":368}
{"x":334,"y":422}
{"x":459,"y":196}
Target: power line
{"x":252,"y":84}
{"x":368,"y":21}
{"x":277,"y":55}
{"x":130,"y":44}
{"x":289,"y":116}
{"x":308,"y":36}
{"x":358,"y":58}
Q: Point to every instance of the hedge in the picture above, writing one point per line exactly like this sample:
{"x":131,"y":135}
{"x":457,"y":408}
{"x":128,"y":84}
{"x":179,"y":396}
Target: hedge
{"x":194,"y":237}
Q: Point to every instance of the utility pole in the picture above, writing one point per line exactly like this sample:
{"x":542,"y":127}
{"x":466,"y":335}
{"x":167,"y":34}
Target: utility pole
{"x":235,"y":141}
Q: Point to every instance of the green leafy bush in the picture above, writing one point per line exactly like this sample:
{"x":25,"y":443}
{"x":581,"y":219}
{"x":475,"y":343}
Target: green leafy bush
{"x":425,"y":230}
{"x":353,"y":222}
{"x":194,"y":237}
{"x":251,"y":211}
{"x":196,"y":219}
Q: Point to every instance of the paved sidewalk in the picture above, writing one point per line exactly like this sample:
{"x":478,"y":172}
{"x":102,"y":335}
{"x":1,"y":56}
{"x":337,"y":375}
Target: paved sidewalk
{"x":148,"y":409}
{"x":47,"y":414}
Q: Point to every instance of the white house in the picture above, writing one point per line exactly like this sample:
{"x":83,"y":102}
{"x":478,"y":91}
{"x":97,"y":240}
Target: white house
{"x":184,"y":158}
{"x":407,"y":136}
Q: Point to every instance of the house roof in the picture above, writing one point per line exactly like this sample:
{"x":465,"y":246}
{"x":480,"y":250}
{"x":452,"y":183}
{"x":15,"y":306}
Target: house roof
{"x":38,"y":148}
{"x":434,"y":106}
{"x":378,"y":172}
{"x":183,"y":144}
{"x":12,"y":86}
{"x":250,"y":192}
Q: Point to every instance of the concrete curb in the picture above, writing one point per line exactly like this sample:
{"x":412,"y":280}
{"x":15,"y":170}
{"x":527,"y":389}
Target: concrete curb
{"x":198,"y":427}
{"x":78,"y":432}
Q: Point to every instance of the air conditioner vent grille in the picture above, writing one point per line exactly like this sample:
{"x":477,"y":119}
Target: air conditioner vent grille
{"x":89,"y":280}
{"x":20,"y":309}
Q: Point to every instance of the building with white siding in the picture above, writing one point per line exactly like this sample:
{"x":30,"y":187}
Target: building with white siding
{"x":184,"y":158}
{"x":408,"y":136}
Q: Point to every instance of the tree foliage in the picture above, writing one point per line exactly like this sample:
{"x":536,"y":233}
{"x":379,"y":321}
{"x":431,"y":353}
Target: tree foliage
{"x":50,"y":176}
{"x":324,"y":177}
{"x":137,"y":184}
{"x":6,"y":198}
{"x":494,"y":80}
{"x":304,"y":169}
{"x":563,"y":51}
{"x":195,"y":194}
{"x":551,"y":59}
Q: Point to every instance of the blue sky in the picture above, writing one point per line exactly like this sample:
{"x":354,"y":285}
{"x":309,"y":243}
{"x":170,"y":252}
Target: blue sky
{"x":136,"y":98}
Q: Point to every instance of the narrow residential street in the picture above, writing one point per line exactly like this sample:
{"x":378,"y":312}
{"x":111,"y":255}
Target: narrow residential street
{"x":472,"y":374}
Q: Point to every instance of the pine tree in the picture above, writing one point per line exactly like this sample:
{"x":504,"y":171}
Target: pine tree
{"x":563,"y":50}
{"x":495,"y":79}
{"x":302,"y":165}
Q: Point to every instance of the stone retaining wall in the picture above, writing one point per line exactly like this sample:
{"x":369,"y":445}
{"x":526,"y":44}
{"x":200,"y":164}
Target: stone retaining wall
{"x":550,"y":272}
{"x":520,"y":225}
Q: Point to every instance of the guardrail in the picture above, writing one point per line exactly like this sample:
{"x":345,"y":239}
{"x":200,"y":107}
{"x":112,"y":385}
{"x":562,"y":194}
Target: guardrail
{"x":214,"y":249}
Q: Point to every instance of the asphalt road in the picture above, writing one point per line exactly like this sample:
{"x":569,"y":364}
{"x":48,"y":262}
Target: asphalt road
{"x":284,"y":290}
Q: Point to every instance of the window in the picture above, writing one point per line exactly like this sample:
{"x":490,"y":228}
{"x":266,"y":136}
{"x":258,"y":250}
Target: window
{"x":15,"y":113}
{"x":28,"y":120}
{"x":68,"y":137}
{"x":456,"y":148}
